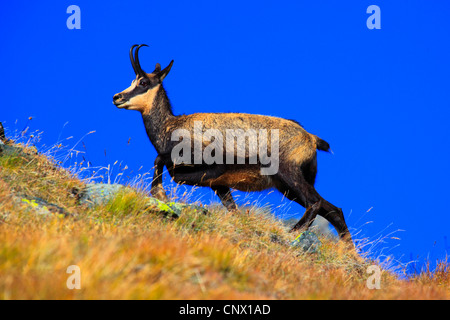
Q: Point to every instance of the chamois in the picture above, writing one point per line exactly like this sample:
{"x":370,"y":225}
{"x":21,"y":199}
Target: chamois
{"x":297,"y":164}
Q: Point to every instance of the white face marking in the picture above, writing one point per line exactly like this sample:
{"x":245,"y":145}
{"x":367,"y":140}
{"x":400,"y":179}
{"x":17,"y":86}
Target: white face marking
{"x":142,"y":102}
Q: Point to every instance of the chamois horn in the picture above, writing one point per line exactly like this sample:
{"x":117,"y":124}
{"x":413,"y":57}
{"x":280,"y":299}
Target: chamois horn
{"x":135,"y":60}
{"x":132,"y":59}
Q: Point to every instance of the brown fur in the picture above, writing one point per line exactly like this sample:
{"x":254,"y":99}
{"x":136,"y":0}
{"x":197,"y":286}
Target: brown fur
{"x":298,"y":144}
{"x":247,"y":178}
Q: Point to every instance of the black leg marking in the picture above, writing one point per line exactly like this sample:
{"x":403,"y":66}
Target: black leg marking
{"x":157,"y":189}
{"x":308,"y":218}
{"x":295,"y":188}
{"x":225,"y":196}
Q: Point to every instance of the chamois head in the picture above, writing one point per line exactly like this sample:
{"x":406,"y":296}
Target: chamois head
{"x":140,"y":95}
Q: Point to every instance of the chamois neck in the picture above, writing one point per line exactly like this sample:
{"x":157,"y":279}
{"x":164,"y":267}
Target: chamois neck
{"x":156,"y":118}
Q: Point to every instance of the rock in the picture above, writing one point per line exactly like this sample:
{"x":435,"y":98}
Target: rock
{"x":307,"y":242}
{"x":173,"y":209}
{"x":179,"y":207}
{"x":322,"y":227}
{"x":168,"y":209}
{"x":99,"y":193}
{"x":10,"y":150}
{"x":42,"y":207}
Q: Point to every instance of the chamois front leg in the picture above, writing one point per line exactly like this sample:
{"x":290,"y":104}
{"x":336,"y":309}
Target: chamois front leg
{"x":157,"y":189}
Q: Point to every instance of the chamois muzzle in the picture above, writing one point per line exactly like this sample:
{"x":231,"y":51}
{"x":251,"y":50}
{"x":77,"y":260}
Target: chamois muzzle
{"x":117,"y":97}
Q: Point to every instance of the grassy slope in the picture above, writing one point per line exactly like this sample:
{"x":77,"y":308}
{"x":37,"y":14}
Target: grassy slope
{"x":127,"y":252}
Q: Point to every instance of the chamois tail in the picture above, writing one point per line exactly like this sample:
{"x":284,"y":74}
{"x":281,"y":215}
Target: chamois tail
{"x":322,"y":144}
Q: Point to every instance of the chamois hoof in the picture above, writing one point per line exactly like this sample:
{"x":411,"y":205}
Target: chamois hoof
{"x":233,"y":210}
{"x":159,"y":194}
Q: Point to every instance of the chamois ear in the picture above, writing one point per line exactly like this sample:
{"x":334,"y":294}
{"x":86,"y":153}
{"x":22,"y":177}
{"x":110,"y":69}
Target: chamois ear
{"x":163,"y":73}
{"x":157,"y":68}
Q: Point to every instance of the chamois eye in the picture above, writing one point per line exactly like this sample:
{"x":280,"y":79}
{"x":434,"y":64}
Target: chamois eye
{"x":143,"y":83}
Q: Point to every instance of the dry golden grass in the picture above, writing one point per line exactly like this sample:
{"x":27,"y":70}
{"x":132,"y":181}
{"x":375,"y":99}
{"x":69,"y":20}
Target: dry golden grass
{"x":126,"y":251}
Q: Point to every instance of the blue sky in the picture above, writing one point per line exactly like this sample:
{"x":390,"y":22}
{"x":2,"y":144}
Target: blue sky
{"x":381,"y":98}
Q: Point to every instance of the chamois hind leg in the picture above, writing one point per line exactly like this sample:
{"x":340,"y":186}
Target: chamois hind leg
{"x":225,"y":196}
{"x":295,"y":187}
{"x":336,"y":217}
{"x":312,"y":207}
{"x":308,"y":217}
